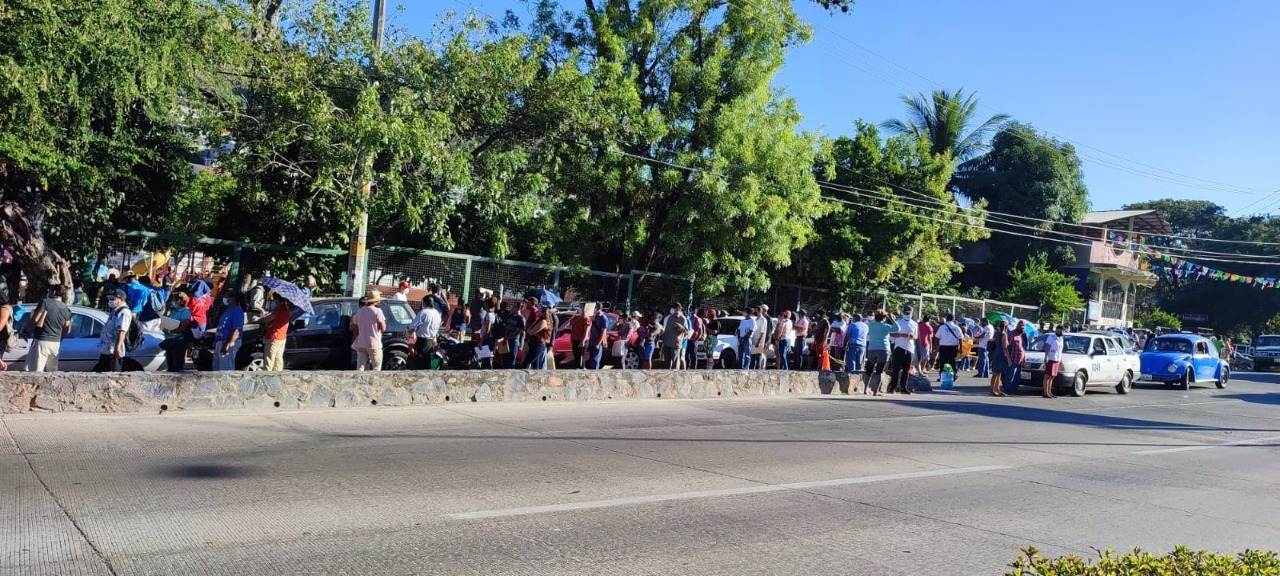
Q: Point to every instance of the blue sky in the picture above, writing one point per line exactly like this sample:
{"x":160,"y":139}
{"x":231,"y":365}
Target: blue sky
{"x":1163,"y":99}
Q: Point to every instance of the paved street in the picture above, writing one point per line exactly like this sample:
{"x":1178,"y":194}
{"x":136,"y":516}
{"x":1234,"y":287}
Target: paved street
{"x":947,"y":483}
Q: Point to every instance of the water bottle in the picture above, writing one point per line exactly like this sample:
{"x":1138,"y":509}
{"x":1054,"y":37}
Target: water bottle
{"x":948,"y":377}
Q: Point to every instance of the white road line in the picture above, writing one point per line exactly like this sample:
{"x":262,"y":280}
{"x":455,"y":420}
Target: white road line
{"x":1208,"y":446}
{"x":569,"y":507}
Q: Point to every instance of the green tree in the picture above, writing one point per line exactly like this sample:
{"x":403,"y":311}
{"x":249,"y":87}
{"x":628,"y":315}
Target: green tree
{"x":1032,"y":175}
{"x":880,"y":239}
{"x":1159,"y":318}
{"x":945,"y":120}
{"x":1033,"y":281}
{"x":682,"y":83}
{"x":1188,"y":218}
{"x":94,"y":99}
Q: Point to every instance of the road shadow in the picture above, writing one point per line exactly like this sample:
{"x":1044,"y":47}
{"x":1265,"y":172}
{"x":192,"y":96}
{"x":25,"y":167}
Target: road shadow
{"x":206,"y":472}
{"x":1046,"y":415}
{"x":1269,"y":399}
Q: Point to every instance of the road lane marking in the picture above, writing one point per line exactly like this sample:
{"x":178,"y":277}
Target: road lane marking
{"x":569,"y":507}
{"x":1207,"y":446}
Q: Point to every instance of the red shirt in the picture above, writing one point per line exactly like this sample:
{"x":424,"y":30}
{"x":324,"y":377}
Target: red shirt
{"x":199,"y":308}
{"x":926,"y":334}
{"x":277,"y":328}
{"x":578,"y":327}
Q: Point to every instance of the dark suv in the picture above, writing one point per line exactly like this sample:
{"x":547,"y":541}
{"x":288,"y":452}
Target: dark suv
{"x":323,"y":341}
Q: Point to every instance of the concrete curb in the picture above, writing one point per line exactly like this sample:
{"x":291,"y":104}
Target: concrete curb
{"x":140,"y":392}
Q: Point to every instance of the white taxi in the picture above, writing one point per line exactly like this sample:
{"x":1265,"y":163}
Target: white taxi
{"x":1089,"y":359}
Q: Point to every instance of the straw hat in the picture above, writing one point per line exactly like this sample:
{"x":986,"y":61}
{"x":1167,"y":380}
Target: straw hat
{"x":371,"y":296}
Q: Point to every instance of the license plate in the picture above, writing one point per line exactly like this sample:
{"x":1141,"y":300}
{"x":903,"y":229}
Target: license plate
{"x":1026,"y":375}
{"x":1144,"y":378}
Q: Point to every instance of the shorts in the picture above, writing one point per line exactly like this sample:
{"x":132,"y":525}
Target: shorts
{"x":1051,"y":368}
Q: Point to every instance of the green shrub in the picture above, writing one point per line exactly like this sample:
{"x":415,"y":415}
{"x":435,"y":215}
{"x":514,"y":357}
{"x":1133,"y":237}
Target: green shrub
{"x":1180,"y":562}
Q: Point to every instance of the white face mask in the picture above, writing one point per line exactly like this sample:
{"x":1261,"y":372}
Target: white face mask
{"x":671,"y":311}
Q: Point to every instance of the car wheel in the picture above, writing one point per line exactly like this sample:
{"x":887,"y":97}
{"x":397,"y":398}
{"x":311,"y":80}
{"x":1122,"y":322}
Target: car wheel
{"x":1222,"y":380}
{"x":396,"y":360}
{"x":257,"y":363}
{"x":729,"y":360}
{"x":1185,"y":382}
{"x":631,"y":361}
{"x":1079,"y":383}
{"x":1126,"y":384}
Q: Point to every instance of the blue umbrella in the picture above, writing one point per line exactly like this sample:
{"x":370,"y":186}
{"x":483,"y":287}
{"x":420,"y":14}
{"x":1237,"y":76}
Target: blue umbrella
{"x":199,"y":288}
{"x":546,"y":298}
{"x":290,"y":292}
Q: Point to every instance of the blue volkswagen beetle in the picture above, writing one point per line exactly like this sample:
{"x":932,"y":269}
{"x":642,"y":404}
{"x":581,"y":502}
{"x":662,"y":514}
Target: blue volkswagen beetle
{"x":1182,"y":359}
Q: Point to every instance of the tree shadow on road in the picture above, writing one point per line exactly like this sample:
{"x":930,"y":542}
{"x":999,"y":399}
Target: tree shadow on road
{"x":1270,"y":399}
{"x":1049,"y":416}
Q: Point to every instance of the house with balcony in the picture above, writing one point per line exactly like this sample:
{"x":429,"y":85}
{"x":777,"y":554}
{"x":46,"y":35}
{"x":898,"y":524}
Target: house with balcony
{"x":1110,"y":273}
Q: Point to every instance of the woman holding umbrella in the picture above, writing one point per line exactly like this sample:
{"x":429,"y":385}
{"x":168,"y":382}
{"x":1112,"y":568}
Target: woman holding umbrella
{"x":275,"y":330}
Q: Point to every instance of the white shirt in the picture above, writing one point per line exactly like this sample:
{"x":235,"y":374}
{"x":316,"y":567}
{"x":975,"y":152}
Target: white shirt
{"x":788,"y":329}
{"x":906,"y":326}
{"x":949,"y":334}
{"x":426,"y":323}
{"x":984,"y":335}
{"x":403,"y":297}
{"x":1053,"y":348}
{"x":746,"y":327}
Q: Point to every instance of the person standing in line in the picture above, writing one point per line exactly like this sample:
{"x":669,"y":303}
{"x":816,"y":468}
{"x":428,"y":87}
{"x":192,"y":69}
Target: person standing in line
{"x":226,"y":345}
{"x":746,"y":329}
{"x":674,"y":331}
{"x":878,"y":345}
{"x":596,"y":338}
{"x":783,"y":335}
{"x":487,"y":332}
{"x":275,"y":332}
{"x":1017,"y":353}
{"x":177,"y":339}
{"x":905,"y":334}
{"x":981,"y":338}
{"x":111,"y":343}
{"x":79,"y":296}
{"x":368,"y":324}
{"x":821,"y":330}
{"x":713,"y":334}
{"x":254,"y":300}
{"x":578,"y":327}
{"x":697,"y":331}
{"x":426,"y":327}
{"x":7,"y":336}
{"x":949,"y":338}
{"x":997,"y":348}
{"x":802,"y":334}
{"x":855,"y":344}
{"x":402,"y":292}
{"x":1052,"y":360}
{"x":512,"y":333}
{"x":648,"y":333}
{"x":50,"y":322}
{"x":923,"y":342}
{"x":539,"y":336}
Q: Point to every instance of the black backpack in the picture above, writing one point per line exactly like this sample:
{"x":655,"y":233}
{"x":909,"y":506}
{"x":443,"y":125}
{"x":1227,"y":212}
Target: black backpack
{"x":133,"y":337}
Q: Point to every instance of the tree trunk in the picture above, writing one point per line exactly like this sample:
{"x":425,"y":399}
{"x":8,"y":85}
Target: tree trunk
{"x":21,"y":235}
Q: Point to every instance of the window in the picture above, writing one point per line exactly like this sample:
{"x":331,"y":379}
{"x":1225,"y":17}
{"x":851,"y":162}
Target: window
{"x":397,"y":313}
{"x":327,"y":315}
{"x":1113,"y":348}
{"x":1099,"y":347}
{"x":1202,"y":347}
{"x":84,"y":327}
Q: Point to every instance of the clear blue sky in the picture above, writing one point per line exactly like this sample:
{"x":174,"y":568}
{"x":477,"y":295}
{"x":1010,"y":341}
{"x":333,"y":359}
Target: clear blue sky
{"x":1189,"y":88}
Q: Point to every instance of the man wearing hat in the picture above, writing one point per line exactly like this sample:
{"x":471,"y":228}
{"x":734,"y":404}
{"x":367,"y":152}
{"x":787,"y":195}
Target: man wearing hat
{"x":367,"y":326}
{"x":111,"y":342}
{"x":402,"y":292}
{"x":904,"y":344}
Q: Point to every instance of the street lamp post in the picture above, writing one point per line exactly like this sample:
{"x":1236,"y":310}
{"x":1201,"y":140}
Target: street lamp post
{"x":357,"y":255}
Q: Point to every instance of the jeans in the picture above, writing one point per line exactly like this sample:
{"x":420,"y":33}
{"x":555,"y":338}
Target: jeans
{"x":800,"y":344}
{"x":744,"y":352}
{"x":175,"y":357}
{"x":984,"y":363}
{"x":1012,"y":379}
{"x":225,"y":362}
{"x":853,"y":358}
{"x":594,"y":358}
{"x":537,"y":358}
{"x":515,"y":353}
{"x":901,"y":366}
{"x":784,"y":348}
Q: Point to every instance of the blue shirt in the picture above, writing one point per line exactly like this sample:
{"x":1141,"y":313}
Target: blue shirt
{"x":878,"y":335}
{"x":137,"y":295}
{"x":232,"y":320}
{"x":857,"y":334}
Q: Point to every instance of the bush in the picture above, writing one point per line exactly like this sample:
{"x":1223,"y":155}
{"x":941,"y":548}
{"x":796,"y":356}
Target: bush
{"x":1158,"y":319}
{"x":1180,"y":562}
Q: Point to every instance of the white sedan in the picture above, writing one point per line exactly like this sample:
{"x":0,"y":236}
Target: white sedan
{"x":79,"y":351}
{"x":1089,"y":359}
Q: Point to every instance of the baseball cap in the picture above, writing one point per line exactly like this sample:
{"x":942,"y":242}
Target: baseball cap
{"x":404,"y":284}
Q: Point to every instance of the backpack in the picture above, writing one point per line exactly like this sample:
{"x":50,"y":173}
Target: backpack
{"x":10,"y":335}
{"x":133,"y":337}
{"x":156,"y":302}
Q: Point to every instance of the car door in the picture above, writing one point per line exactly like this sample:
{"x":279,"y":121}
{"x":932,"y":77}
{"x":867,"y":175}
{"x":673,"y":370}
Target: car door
{"x":1116,"y":361}
{"x":1205,"y":364}
{"x":312,"y":345}
{"x":79,"y":350}
{"x":1099,"y":362}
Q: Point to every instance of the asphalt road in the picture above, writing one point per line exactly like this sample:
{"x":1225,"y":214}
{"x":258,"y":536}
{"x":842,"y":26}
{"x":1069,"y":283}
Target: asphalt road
{"x":947,"y":483}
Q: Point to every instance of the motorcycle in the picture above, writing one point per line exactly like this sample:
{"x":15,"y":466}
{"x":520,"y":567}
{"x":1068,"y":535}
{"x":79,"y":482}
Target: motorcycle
{"x":454,"y":354}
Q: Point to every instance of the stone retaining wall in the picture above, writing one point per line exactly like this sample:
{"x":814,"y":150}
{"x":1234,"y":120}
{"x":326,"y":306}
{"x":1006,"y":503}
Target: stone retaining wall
{"x":139,"y":392}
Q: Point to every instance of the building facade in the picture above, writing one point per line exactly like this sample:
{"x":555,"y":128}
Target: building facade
{"x":1109,"y":271}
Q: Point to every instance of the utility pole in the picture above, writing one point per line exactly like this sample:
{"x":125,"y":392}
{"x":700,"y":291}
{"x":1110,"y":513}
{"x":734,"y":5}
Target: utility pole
{"x":357,"y":257}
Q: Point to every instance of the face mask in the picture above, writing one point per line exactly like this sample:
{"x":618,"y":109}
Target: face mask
{"x":671,"y":310}
{"x":224,"y":302}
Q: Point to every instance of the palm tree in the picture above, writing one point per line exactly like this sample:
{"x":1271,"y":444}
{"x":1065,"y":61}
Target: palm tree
{"x":942,"y":121}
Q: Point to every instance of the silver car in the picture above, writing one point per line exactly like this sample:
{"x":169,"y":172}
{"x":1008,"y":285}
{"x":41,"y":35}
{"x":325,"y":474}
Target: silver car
{"x":79,"y":351}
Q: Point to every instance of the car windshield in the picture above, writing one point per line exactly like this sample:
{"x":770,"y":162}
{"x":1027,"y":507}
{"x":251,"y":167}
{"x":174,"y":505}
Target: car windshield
{"x":1268,"y":341}
{"x":1182,"y":345}
{"x":1072,"y":344}
{"x":398,"y":314}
